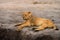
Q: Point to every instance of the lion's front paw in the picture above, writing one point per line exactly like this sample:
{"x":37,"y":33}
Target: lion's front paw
{"x":19,"y":29}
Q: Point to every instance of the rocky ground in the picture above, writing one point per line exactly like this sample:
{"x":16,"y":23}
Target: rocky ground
{"x":10,"y":14}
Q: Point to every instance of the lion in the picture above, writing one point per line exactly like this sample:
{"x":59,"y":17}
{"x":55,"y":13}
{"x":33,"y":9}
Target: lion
{"x":31,"y":20}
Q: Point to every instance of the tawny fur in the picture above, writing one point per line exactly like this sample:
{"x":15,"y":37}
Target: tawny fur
{"x":31,"y":20}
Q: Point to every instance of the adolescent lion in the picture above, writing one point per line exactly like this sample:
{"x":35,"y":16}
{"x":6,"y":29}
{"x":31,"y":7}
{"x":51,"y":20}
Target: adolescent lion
{"x":31,"y":20}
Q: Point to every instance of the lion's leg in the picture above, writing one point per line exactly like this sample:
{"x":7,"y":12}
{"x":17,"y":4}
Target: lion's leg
{"x":54,"y":27}
{"x":23,"y":25}
{"x":39,"y":28}
{"x":42,"y":27}
{"x":18,"y":24}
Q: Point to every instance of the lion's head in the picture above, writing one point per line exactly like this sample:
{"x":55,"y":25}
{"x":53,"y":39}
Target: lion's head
{"x":27,"y":15}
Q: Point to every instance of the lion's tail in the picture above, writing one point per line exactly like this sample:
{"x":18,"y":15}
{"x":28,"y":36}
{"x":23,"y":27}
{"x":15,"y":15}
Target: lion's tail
{"x":55,"y":27}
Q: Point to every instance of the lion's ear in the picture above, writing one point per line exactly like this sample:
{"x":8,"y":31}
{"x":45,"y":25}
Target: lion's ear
{"x":29,"y":13}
